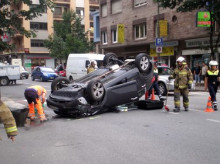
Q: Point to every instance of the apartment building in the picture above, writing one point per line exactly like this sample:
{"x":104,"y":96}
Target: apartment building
{"x":140,"y":18}
{"x":32,"y":50}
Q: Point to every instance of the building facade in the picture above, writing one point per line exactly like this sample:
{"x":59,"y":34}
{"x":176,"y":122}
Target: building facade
{"x":32,"y":50}
{"x":140,"y":18}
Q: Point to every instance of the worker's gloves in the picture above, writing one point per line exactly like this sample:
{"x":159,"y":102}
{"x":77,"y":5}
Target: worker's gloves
{"x":189,"y":86}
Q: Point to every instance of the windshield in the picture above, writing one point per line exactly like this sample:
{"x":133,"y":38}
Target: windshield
{"x":50,"y":70}
{"x":164,"y":71}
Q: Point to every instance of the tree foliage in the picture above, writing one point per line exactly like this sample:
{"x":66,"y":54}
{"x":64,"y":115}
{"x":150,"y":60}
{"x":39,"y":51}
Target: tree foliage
{"x":70,"y":35}
{"x":213,"y":6}
{"x":10,"y":17}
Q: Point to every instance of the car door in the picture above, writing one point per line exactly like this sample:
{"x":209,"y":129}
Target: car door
{"x":121,"y":94}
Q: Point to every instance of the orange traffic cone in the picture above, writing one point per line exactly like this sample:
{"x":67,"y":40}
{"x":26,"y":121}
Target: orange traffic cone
{"x":153,"y":96}
{"x":209,"y":106}
{"x":146,"y":95}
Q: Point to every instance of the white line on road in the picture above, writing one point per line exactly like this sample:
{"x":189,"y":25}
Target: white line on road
{"x":213,"y":120}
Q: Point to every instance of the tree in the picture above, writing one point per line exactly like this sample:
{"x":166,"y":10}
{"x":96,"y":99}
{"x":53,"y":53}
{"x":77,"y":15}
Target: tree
{"x":213,"y":6}
{"x":10,"y":17}
{"x":70,"y":35}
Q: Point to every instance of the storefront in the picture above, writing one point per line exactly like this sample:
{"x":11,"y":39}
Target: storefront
{"x":167,"y":55}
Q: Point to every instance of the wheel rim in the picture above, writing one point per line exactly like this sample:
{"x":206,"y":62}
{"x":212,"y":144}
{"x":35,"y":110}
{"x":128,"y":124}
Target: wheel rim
{"x":144,"y":63}
{"x":4,"y":82}
{"x":161,"y":88}
{"x":98,"y":90}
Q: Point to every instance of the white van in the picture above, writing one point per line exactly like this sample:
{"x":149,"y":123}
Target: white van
{"x":77,"y":64}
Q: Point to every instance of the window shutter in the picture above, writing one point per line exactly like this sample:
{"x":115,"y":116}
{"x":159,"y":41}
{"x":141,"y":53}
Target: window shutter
{"x":116,"y":6}
{"x":104,"y":10}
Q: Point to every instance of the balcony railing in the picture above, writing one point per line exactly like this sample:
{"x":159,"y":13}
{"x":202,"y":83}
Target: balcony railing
{"x":56,"y":1}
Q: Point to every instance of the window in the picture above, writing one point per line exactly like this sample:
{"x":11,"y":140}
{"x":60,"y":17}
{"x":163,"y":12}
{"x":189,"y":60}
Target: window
{"x":104,"y":37}
{"x":43,"y":10}
{"x":104,"y":10}
{"x":116,"y":6}
{"x":140,"y":31}
{"x":37,"y":43}
{"x":38,"y":26}
{"x":138,"y":3}
{"x":114,"y":36}
{"x":80,"y":11}
{"x":57,"y":11}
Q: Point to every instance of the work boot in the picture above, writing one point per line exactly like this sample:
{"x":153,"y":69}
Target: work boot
{"x":215,"y":106}
{"x":176,"y":110}
{"x":186,"y":109}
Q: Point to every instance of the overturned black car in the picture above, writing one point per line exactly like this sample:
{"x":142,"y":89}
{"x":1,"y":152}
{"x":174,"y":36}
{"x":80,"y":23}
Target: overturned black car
{"x":118,"y":82}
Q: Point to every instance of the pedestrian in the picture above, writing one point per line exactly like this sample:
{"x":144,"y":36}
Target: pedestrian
{"x":91,"y":67}
{"x":8,"y":120}
{"x":183,"y":81}
{"x":212,"y":81}
{"x":197,"y":73}
{"x":35,"y":96}
{"x":204,"y":71}
{"x":155,"y":84}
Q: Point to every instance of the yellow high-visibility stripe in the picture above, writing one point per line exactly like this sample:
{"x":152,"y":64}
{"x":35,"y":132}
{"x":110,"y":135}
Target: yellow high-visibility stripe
{"x":190,"y":82}
{"x":11,"y":129}
{"x":183,"y":73}
{"x":213,"y":73}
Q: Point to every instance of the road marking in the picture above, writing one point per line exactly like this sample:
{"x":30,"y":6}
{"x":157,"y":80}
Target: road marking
{"x":173,"y":113}
{"x":213,"y":120}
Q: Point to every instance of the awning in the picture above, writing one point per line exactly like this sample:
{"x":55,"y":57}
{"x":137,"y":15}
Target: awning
{"x":196,"y":51}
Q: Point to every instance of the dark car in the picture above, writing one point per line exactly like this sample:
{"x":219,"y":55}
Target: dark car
{"x":116,"y":83}
{"x":43,"y":73}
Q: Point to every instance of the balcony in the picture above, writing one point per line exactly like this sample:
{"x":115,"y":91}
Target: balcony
{"x":94,"y":3}
{"x":62,"y":1}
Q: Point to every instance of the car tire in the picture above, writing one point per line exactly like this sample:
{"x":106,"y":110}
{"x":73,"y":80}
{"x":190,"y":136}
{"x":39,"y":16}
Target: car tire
{"x":108,"y":59}
{"x":95,"y":91}
{"x":4,"y":81}
{"x":59,"y":83}
{"x":41,"y":79}
{"x":162,"y":88}
{"x":32,"y":78}
{"x":142,"y":62}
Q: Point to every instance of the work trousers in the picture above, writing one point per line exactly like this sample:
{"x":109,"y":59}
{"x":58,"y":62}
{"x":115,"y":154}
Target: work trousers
{"x":156,"y":88}
{"x":177,"y":93}
{"x":212,"y":91}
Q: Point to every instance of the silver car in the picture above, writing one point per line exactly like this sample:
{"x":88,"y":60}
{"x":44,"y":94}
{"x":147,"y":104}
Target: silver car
{"x":166,"y":85}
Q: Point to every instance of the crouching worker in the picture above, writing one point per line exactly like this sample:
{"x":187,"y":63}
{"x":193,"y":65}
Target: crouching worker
{"x":35,"y":96}
{"x":8,"y":120}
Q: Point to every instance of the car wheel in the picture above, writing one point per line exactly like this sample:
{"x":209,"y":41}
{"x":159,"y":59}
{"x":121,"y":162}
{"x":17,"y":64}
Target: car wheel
{"x":4,"y":81}
{"x":142,"y":61}
{"x":59,"y":83}
{"x":108,"y":59}
{"x":95,"y":91}
{"x":162,"y":88}
{"x":32,"y":78}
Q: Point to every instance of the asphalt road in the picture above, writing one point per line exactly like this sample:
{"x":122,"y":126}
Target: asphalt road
{"x":135,"y":136}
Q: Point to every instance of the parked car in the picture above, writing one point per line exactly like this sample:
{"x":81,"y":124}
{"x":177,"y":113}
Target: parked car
{"x":166,"y":85}
{"x":24,"y":73}
{"x":43,"y":73}
{"x":116,"y":83}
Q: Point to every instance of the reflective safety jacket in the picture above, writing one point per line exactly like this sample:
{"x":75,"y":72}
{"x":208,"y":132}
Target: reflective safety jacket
{"x":90,"y":69}
{"x":40,"y":90}
{"x":8,"y":120}
{"x":213,"y":77}
{"x":182,"y":77}
{"x":156,"y":74}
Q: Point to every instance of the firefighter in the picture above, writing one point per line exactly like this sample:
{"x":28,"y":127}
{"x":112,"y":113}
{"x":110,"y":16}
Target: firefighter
{"x":212,"y":80}
{"x":35,"y":96}
{"x":183,"y":81}
{"x":8,"y":120}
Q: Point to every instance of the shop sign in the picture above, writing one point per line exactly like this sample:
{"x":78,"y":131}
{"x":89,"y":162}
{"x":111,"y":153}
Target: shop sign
{"x":163,"y":28}
{"x":203,"y":19}
{"x":5,"y":37}
{"x":27,"y":62}
{"x":166,"y":44}
{"x":201,"y":42}
{"x":167,"y":51}
{"x":121,"y":33}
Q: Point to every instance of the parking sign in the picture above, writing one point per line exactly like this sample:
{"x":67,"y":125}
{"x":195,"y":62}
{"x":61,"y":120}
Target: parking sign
{"x":159,"y":42}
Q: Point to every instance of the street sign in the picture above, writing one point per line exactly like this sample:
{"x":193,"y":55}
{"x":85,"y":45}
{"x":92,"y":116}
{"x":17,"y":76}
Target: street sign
{"x":159,"y":42}
{"x":121,"y":33}
{"x":159,"y":50}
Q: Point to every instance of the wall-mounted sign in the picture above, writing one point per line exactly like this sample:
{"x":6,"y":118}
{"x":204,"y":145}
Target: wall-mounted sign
{"x":163,"y":28}
{"x":203,"y":19}
{"x":121,"y":33}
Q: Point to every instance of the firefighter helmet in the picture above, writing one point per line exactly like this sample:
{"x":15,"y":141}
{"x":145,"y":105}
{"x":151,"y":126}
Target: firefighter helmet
{"x":180,"y":59}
